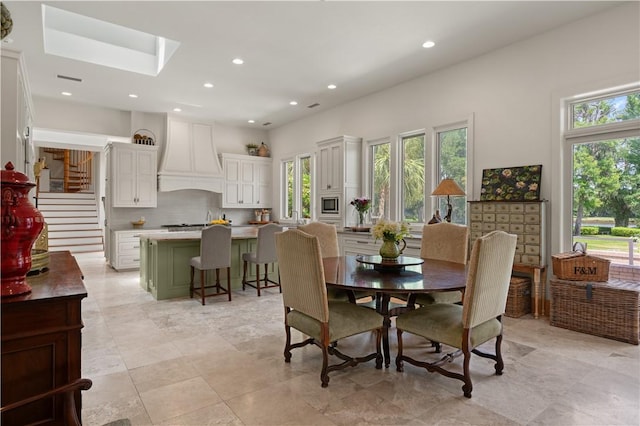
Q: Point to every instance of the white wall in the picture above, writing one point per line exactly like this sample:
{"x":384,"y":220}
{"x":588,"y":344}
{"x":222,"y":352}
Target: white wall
{"x":509,"y":92}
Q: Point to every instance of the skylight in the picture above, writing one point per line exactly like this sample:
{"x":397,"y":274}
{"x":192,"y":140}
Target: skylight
{"x":79,"y":37}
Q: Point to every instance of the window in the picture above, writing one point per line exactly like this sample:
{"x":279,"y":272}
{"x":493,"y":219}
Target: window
{"x":403,"y":173}
{"x":412,"y":178}
{"x":604,"y":144}
{"x":451,"y":147}
{"x":297,"y":181}
{"x":380,"y":178}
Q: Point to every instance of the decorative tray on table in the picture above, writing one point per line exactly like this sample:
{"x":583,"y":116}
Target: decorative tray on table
{"x":388,"y":265}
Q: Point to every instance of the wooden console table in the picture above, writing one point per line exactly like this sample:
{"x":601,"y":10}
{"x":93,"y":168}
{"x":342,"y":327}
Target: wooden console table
{"x":41,"y":343}
{"x":538,"y":275}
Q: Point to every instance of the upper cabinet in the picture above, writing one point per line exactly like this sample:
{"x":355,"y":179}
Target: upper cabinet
{"x":190,"y":159}
{"x":17,"y":146}
{"x":339,"y":163}
{"x":339,"y":170}
{"x":132,"y":175}
{"x":247,"y":181}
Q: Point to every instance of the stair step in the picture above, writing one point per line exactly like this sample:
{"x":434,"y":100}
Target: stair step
{"x":89,"y":195}
{"x":66,"y":213}
{"x":59,"y":227}
{"x":66,"y":207}
{"x":69,"y":201}
{"x":72,"y":220}
{"x":85,"y":248}
{"x":57,"y":242}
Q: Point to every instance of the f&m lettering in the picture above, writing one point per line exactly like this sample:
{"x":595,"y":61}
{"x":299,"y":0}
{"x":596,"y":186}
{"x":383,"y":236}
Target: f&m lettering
{"x":585,"y":270}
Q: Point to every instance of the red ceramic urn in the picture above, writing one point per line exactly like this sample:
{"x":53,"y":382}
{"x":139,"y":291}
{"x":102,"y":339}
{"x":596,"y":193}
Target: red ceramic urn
{"x":21,"y":225}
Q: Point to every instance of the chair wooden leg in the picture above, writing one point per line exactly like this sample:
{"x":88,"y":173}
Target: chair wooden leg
{"x":229,"y":282}
{"x":258,"y":278}
{"x":499,"y":362}
{"x":191,"y":283}
{"x":244,"y":274}
{"x":399,"y":366}
{"x":468,"y":386}
{"x":324,"y":375}
{"x":203,"y":275}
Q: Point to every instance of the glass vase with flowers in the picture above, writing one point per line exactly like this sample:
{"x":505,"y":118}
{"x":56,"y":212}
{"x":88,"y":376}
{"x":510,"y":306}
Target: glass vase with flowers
{"x":391,"y":234}
{"x":362,"y":205}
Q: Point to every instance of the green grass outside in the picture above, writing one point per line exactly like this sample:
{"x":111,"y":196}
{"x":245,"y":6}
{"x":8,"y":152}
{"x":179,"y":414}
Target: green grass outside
{"x":607,"y":242}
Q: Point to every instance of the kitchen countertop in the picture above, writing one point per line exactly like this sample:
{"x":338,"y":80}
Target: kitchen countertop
{"x":237,"y":233}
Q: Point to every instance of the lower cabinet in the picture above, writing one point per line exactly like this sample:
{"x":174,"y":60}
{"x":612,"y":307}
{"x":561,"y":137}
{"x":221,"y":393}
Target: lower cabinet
{"x":125,"y":246}
{"x":352,"y":244}
{"x":165,"y":269}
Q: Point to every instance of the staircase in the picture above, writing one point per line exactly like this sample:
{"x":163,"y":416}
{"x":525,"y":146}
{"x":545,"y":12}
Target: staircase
{"x":75,"y":172}
{"x":72,"y":219}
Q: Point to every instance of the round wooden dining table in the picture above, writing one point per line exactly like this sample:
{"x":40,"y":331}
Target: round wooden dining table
{"x":362,"y":273}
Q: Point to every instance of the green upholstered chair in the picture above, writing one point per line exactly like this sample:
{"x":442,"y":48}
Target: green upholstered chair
{"x":477,"y":321}
{"x":308,"y":310}
{"x":443,"y":241}
{"x":215,"y":253}
{"x":264,"y":255}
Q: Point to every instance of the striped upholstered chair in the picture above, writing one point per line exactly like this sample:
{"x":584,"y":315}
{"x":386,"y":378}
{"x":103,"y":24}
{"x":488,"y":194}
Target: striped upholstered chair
{"x":328,"y":238}
{"x":308,"y":310}
{"x":477,"y":321}
{"x":443,"y":241}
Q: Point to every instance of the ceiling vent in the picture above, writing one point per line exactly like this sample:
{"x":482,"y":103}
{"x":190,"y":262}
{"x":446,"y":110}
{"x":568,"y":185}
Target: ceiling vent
{"x":66,"y":77}
{"x":313,"y":105}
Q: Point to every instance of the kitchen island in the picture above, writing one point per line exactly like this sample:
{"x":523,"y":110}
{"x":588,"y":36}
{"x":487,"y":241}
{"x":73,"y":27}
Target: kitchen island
{"x":164,"y":260}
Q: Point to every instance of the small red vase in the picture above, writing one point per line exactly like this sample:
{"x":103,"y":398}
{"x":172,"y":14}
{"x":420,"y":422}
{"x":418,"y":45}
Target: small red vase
{"x":21,"y":225}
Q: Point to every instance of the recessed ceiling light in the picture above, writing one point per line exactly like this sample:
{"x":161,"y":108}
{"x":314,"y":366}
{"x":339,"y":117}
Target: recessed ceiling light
{"x":177,"y":109}
{"x":251,"y":121}
{"x":208,"y":85}
{"x":133,"y":95}
{"x":66,"y":93}
{"x":331,"y":86}
{"x":427,"y":44}
{"x":238,"y":61}
{"x":293,"y":103}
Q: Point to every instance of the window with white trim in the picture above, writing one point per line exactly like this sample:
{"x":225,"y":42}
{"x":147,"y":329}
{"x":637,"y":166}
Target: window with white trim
{"x":402,"y":174}
{"x":602,"y":146}
{"x":297,"y":182}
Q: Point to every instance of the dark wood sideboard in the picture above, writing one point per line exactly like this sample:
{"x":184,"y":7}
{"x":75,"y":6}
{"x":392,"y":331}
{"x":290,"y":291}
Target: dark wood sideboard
{"x":41,"y":343}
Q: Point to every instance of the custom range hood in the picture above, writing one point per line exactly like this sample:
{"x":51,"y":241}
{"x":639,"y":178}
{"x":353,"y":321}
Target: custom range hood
{"x":190,"y":159}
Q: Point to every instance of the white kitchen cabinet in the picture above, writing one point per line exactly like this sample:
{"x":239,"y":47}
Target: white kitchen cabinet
{"x":132,"y":174}
{"x":339,"y":174}
{"x":17,"y":145}
{"x":354,"y":243}
{"x":247,"y":181}
{"x":125,"y":248}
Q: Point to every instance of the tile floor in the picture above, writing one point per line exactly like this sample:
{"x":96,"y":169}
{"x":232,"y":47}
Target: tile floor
{"x":176,"y":362}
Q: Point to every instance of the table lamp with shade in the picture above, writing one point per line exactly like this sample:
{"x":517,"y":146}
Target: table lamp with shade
{"x":448,"y":187}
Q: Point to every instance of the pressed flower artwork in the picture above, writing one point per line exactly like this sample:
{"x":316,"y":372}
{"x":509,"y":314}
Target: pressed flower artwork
{"x":511,"y":184}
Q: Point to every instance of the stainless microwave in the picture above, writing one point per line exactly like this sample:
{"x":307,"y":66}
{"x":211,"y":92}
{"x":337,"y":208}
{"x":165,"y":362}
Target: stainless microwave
{"x":330,"y":205}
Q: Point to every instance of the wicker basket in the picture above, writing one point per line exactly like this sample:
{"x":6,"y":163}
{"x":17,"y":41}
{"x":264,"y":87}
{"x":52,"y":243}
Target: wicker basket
{"x":579,"y":266}
{"x":608,"y":309}
{"x":519,"y":297}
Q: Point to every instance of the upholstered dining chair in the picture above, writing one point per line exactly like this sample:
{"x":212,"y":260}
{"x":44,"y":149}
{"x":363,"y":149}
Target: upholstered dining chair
{"x":264,"y":255}
{"x":443,"y":241}
{"x":328,"y":239}
{"x":308,"y":309}
{"x":476,"y":321}
{"x":215,"y":253}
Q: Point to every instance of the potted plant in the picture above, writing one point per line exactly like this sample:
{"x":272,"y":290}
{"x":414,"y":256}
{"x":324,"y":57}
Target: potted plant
{"x":252,"y":149}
